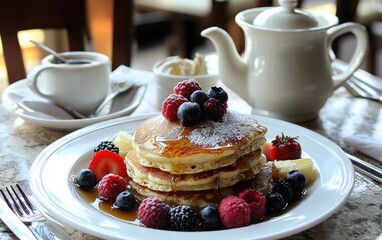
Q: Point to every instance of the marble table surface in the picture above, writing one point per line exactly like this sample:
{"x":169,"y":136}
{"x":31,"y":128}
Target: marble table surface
{"x":343,"y":115}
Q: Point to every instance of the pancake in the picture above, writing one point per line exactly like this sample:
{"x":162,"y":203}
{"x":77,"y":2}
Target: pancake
{"x":199,"y":199}
{"x":245,"y":168}
{"x":174,"y":148}
{"x":194,"y":199}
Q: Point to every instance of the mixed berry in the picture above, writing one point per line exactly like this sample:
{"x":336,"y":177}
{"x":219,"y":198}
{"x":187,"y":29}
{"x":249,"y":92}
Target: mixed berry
{"x":189,"y":105}
{"x":209,"y":217}
{"x":107,"y":145}
{"x":182,"y":218}
{"x":284,"y":147}
{"x":153,"y":213}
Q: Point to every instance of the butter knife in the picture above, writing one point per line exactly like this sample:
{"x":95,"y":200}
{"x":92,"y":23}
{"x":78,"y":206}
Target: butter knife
{"x":367,"y":169}
{"x":14,"y":223}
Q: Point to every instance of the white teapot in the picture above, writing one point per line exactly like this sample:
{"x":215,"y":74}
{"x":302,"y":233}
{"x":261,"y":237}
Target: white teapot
{"x":285,"y":71}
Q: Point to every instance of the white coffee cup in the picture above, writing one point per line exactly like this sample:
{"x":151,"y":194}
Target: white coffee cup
{"x":82,"y":84}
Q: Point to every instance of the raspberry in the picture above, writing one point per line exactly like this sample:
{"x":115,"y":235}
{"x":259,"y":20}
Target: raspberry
{"x":153,"y":213}
{"x":187,"y":87}
{"x":107,"y":145}
{"x":214,"y":110}
{"x":110,"y":186}
{"x":284,"y":189}
{"x":170,"y":106}
{"x":182,"y":218}
{"x":234,"y":212}
{"x":256,"y":202}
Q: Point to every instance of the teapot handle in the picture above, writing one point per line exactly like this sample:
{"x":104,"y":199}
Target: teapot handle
{"x":361,"y":49}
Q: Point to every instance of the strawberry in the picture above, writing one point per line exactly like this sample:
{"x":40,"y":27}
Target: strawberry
{"x":104,"y":162}
{"x":284,"y":148}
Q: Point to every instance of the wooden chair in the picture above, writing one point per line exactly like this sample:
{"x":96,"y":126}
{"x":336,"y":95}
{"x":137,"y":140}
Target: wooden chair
{"x":19,"y":15}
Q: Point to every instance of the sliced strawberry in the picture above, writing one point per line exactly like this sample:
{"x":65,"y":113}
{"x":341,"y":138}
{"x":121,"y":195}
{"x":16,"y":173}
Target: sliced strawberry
{"x":105,"y":161}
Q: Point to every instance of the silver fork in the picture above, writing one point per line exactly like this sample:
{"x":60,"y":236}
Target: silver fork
{"x":360,"y":89}
{"x":21,"y":206}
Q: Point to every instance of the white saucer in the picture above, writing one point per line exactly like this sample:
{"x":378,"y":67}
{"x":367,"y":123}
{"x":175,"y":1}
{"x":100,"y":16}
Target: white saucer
{"x":43,"y":113}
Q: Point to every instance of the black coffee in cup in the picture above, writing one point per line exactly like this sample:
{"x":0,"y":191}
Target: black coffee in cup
{"x":78,"y":61}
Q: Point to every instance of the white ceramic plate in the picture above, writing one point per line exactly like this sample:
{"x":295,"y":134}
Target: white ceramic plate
{"x":46,"y":114}
{"x":50,"y":184}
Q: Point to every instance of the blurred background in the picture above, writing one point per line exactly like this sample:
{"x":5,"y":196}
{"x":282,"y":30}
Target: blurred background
{"x":173,"y":27}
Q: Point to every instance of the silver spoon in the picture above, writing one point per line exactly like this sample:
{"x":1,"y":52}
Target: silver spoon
{"x":119,"y":88}
{"x":57,"y":58}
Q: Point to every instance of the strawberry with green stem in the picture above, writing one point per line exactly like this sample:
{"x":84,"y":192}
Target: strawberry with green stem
{"x":284,"y":148}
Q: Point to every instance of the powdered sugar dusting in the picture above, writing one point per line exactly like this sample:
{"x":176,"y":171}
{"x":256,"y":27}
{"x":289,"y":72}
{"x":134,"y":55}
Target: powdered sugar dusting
{"x":234,"y":126}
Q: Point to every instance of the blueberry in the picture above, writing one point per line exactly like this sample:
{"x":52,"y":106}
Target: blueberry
{"x":125,"y":201}
{"x":297,"y":182}
{"x":209,"y":217}
{"x":199,"y":97}
{"x":86,"y":179}
{"x":275,"y":202}
{"x":218,"y":93}
{"x":189,"y":113}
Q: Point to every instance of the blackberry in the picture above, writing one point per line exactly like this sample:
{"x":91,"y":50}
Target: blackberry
{"x":284,"y":189}
{"x":182,"y":218}
{"x":199,"y":97}
{"x":189,"y":113}
{"x":214,"y":110}
{"x":219,"y":94}
{"x":297,"y":182}
{"x":85,"y":179}
{"x":209,"y":217}
{"x":107,"y":145}
{"x":125,"y":201}
{"x":274,"y":202}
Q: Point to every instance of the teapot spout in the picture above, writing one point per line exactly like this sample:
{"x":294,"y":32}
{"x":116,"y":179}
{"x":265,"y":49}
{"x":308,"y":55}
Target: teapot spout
{"x":232,"y":68}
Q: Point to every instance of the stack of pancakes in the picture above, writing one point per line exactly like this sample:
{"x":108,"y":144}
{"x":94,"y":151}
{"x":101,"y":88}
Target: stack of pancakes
{"x":195,"y":165}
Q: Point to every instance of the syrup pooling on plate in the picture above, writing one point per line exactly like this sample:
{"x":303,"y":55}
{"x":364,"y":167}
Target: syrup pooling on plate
{"x":107,"y":207}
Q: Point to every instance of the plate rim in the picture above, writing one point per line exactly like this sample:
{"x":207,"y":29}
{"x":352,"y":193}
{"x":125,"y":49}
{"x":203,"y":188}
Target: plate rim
{"x":345,"y":162}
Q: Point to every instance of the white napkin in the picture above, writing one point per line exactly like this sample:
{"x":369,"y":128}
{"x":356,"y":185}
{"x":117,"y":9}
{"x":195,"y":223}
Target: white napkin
{"x":366,"y":144}
{"x":137,"y":77}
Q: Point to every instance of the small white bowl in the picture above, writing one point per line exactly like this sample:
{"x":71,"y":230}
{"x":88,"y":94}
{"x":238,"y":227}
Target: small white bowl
{"x":167,"y":82}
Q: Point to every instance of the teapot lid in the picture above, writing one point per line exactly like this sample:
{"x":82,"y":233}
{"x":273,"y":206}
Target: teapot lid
{"x":285,"y":17}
